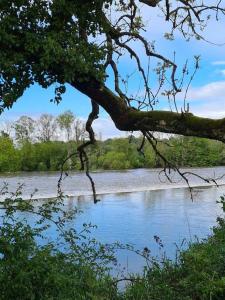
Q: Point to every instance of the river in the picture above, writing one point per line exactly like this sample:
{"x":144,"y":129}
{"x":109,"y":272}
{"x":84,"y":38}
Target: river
{"x":135,"y":205}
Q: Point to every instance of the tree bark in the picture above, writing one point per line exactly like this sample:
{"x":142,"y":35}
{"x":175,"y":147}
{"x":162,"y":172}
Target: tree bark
{"x":130,"y":119}
{"x":152,"y":3}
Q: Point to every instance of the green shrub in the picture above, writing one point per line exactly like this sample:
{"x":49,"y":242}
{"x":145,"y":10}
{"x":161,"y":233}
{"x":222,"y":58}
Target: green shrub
{"x":10,"y":160}
{"x":199,"y":274}
{"x":32,"y":267}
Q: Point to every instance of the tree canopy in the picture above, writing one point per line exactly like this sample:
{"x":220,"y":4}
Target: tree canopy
{"x":81,"y":43}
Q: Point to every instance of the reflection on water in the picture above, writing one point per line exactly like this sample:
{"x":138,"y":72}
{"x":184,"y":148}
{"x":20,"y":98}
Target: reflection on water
{"x":135,"y":218}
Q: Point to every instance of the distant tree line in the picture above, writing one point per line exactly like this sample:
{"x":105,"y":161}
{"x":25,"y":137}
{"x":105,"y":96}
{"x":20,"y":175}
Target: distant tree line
{"x":43,"y":144}
{"x":46,"y":128}
{"x":182,"y":151}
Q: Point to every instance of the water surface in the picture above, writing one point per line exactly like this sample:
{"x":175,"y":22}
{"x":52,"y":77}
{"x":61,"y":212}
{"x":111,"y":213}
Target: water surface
{"x":77,"y":183}
{"x":135,"y":206}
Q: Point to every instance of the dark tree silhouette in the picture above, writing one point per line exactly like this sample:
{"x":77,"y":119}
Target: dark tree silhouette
{"x":77,"y":42}
{"x":82,"y":42}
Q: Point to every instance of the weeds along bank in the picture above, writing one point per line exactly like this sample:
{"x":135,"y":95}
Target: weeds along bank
{"x":73,"y":265}
{"x":198,"y":273}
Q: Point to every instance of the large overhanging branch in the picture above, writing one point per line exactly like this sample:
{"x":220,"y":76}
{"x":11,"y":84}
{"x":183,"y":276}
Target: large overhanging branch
{"x":130,"y":119}
{"x":59,"y":57}
{"x":152,"y":3}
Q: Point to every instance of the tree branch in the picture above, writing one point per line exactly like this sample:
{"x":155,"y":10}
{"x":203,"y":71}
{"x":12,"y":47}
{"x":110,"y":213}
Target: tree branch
{"x":152,"y":3}
{"x":130,"y":119}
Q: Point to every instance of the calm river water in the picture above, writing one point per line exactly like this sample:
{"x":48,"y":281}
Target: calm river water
{"x":135,"y":205}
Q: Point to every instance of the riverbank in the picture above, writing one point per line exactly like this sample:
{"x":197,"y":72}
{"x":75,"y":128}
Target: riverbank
{"x":147,"y":206}
{"x":167,"y":213}
{"x":198,"y":273}
{"x":43,"y":271}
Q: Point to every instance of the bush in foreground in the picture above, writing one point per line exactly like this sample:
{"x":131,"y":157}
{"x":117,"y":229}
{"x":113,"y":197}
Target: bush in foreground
{"x":199,"y":272}
{"x":69,"y":266}
{"x":74,"y":266}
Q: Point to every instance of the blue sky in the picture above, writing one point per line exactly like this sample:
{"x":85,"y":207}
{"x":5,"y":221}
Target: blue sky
{"x":206,"y":94}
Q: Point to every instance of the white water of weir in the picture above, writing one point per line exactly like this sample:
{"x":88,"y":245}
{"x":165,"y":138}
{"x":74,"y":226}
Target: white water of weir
{"x":77,"y":184}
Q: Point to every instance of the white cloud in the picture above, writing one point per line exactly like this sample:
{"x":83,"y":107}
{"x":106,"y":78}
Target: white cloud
{"x":105,"y":128}
{"x":213,"y":90}
{"x":208,"y":100}
{"x":219,"y":63}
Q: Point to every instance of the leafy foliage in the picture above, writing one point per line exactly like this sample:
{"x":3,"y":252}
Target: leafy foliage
{"x":198,"y":273}
{"x":65,"y":121}
{"x":34,"y":267}
{"x":81,"y":43}
{"x":112,"y":154}
{"x":24,"y":128}
{"x":43,"y":44}
{"x":9,"y":156}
